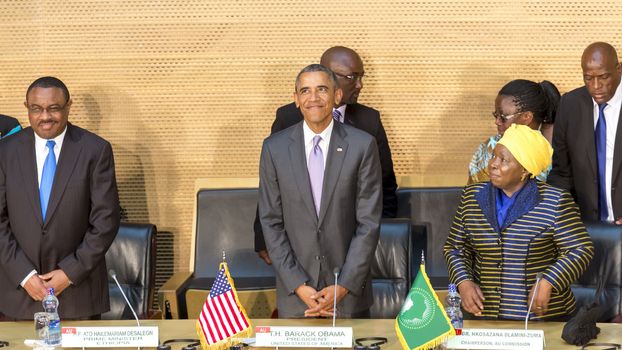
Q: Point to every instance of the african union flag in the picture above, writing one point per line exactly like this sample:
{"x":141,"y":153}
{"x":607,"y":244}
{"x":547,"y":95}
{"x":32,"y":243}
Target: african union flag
{"x":422,"y":322}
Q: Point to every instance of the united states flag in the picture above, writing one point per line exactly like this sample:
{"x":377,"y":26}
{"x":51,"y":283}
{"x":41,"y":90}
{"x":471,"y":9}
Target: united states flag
{"x":222,"y":316}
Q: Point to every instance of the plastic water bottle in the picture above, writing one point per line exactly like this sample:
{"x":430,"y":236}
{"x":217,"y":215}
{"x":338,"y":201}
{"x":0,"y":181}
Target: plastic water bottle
{"x":50,"y":305}
{"x":452,"y":307}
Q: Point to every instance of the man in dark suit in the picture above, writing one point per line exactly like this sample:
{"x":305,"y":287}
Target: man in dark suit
{"x":348,"y":67}
{"x":8,"y":126}
{"x":320,"y":205}
{"x":59,"y":210}
{"x":587,"y":138}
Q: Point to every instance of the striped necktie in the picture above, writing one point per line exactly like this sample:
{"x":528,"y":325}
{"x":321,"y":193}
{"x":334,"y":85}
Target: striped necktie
{"x":337,"y":115}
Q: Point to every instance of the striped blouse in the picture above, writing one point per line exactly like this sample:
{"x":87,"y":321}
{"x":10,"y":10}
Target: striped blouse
{"x":542,"y":232}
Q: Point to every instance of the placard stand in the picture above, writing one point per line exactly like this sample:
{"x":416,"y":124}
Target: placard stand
{"x":497,"y":339}
{"x":109,"y":337}
{"x":303,"y":337}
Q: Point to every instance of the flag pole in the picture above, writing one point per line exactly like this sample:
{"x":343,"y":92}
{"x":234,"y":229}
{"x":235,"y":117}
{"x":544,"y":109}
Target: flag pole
{"x":422,"y":258}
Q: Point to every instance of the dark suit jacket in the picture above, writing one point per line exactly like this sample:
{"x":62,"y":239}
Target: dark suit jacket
{"x":82,"y":221}
{"x":7,"y":124}
{"x":363,"y":118}
{"x":305,"y":247}
{"x":574,"y":156}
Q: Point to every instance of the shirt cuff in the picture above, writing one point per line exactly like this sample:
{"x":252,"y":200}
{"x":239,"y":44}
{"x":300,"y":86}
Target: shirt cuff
{"x":27,"y":278}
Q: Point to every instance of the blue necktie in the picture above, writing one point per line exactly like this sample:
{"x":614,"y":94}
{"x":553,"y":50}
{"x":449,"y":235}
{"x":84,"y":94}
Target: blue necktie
{"x":47,"y":177}
{"x":600,"y":135}
{"x":337,"y":115}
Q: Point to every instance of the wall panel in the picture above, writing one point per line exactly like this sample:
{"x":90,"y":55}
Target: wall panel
{"x":188,"y":89}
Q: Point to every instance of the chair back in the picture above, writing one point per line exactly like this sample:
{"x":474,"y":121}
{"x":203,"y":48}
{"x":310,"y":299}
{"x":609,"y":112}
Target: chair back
{"x":391,"y":268}
{"x":435,"y":208}
{"x":224,"y":222}
{"x":225,"y":215}
{"x":132,"y":257}
{"x":606,"y":266}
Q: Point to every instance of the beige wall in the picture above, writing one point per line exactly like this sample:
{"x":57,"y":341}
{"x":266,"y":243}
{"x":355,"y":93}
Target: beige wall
{"x":188,"y":89}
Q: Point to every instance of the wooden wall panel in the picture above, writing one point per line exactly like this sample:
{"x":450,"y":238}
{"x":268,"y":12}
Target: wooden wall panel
{"x":188,"y":89}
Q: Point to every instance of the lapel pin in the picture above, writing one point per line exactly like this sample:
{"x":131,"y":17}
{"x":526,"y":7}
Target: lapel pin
{"x":339,"y":149}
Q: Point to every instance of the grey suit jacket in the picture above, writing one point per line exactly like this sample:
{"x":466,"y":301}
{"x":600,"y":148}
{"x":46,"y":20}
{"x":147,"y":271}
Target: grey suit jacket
{"x":305,"y":248}
{"x":574,"y":157}
{"x":81,"y":222}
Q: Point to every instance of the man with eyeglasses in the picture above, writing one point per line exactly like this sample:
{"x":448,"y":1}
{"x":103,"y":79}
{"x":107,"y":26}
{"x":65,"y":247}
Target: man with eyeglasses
{"x":59,"y":210}
{"x":587,"y":158}
{"x":348,"y":67}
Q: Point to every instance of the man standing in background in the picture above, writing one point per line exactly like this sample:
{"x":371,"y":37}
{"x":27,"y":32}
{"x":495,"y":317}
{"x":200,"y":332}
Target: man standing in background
{"x":8,"y":126}
{"x":587,"y":139}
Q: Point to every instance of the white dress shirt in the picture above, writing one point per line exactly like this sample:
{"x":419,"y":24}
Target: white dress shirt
{"x":325,"y":135}
{"x":612,"y":115}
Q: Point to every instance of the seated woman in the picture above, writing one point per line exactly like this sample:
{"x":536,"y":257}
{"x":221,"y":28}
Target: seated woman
{"x":508,"y":230}
{"x":518,"y":102}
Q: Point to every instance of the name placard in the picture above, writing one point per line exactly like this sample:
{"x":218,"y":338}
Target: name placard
{"x":303,"y":337}
{"x":109,"y":337}
{"x":500,"y":339}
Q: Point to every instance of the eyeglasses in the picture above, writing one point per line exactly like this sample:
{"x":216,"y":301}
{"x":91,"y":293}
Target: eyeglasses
{"x":504,"y":118}
{"x":55,"y":110}
{"x":351,"y":77}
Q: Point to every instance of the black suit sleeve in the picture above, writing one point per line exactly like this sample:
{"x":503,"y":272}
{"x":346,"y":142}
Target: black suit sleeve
{"x":12,"y":258}
{"x":260,"y":243}
{"x":103,"y":220}
{"x":7,"y":124}
{"x":389,"y":184}
{"x":278,"y":124}
{"x":561,"y":173}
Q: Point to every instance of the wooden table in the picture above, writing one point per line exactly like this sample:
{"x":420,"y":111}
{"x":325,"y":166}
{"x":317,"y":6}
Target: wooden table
{"x":16,"y":332}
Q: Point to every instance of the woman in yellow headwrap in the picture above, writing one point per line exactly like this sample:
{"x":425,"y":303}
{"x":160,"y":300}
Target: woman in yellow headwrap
{"x":513,"y":227}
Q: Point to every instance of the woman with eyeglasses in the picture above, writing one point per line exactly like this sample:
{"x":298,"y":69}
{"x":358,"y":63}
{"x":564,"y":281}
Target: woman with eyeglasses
{"x":517,"y":244}
{"x":521,"y":102}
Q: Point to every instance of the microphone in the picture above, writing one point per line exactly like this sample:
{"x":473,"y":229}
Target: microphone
{"x":336,"y":272}
{"x":113,"y":275}
{"x":533,"y":296}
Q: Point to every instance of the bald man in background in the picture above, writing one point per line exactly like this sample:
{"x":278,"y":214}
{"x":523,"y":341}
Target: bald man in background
{"x":348,"y":67}
{"x":587,"y":139}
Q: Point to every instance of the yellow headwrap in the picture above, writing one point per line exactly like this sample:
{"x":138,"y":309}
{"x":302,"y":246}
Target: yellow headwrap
{"x":529,"y":148}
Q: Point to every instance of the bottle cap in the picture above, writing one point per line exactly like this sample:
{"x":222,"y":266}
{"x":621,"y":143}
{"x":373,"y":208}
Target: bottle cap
{"x":51,"y":291}
{"x":452,"y":288}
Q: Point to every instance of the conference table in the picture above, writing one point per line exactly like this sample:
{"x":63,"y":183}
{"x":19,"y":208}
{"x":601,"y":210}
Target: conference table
{"x":16,"y":332}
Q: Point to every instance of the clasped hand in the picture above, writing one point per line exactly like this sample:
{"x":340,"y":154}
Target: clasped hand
{"x":320,"y":303}
{"x":37,"y":285}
